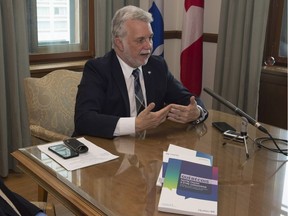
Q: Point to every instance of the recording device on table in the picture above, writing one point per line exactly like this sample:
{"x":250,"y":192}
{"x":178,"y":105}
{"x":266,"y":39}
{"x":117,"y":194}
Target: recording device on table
{"x":63,"y":151}
{"x":69,"y":148}
{"x":245,"y":120}
{"x":234,"y":135}
{"x":223,"y":126}
{"x":230,"y":132}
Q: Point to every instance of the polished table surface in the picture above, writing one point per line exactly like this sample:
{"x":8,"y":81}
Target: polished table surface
{"x":126,"y":186}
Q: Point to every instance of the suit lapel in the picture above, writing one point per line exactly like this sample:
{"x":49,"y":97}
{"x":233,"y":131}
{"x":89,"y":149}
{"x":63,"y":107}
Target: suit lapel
{"x":150,"y":84}
{"x":119,"y":80}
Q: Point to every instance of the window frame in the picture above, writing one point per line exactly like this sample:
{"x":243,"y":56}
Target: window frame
{"x":36,"y":58}
{"x":273,"y":32}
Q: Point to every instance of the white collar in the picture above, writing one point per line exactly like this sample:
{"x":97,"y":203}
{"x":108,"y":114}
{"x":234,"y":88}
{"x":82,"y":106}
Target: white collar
{"x":126,"y":69}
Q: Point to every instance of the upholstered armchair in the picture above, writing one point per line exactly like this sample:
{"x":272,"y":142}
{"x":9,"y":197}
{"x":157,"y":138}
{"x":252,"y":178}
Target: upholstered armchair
{"x":50,"y":103}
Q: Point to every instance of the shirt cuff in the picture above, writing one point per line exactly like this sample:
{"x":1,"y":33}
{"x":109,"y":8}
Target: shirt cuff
{"x":125,"y":126}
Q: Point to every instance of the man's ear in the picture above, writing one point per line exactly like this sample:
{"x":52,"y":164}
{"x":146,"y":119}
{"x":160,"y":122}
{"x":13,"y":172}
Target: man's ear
{"x":119,"y":43}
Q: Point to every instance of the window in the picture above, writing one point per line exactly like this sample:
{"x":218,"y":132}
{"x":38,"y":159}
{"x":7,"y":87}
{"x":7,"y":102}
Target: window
{"x":60,"y":30}
{"x":276,"y":37}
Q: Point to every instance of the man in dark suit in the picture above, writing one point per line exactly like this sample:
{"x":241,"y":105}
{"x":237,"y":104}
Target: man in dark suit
{"x":106,"y":104}
{"x":13,"y":204}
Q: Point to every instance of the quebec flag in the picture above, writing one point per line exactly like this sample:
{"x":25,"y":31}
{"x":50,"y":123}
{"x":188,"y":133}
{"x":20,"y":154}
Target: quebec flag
{"x":156,"y":9}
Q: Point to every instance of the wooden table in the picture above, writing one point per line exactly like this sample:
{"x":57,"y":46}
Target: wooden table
{"x":126,"y":186}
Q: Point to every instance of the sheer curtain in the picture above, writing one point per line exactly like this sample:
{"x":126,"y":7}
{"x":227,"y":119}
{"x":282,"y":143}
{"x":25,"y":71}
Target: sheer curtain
{"x":14,"y":66}
{"x":239,"y":53}
{"x":104,"y":11}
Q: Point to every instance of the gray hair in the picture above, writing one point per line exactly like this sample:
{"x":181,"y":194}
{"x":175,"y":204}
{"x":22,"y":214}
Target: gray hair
{"x":129,"y":12}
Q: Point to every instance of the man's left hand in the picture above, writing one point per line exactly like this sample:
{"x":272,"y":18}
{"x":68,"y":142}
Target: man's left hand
{"x":184,"y":114}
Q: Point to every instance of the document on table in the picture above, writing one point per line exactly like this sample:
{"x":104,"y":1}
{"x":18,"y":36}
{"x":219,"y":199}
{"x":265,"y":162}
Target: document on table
{"x":95,"y":155}
{"x":185,"y":154}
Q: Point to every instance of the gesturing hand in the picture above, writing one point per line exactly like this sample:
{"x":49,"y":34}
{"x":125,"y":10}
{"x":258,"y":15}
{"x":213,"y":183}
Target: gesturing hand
{"x":147,"y":119}
{"x":184,"y":114}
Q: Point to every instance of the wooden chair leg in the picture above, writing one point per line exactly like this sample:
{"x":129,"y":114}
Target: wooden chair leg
{"x":42,"y":194}
{"x":47,"y":208}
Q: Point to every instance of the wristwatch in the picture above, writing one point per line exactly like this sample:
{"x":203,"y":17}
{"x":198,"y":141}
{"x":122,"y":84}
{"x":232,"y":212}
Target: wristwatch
{"x":203,"y":116}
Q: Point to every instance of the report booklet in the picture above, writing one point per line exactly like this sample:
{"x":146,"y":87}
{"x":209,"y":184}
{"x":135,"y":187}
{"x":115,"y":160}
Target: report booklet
{"x":189,"y":189}
{"x":182,"y":153}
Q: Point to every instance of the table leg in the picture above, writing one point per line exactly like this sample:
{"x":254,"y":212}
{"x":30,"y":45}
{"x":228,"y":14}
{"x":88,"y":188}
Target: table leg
{"x":42,"y":194}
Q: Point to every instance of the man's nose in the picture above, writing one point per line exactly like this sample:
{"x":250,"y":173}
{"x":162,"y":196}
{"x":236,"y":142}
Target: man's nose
{"x":148,"y":43}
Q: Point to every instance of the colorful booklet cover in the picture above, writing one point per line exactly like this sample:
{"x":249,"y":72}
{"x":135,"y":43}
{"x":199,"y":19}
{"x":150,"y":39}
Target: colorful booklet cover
{"x":189,"y":188}
{"x":182,"y":153}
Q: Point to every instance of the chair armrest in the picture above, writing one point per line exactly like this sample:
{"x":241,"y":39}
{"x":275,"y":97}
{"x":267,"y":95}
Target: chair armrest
{"x":46,"y":135}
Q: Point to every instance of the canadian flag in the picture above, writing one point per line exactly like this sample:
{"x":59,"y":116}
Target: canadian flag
{"x":192,"y":46}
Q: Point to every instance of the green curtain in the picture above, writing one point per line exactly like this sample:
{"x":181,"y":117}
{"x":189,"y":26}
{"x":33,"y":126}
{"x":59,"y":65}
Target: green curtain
{"x":240,"y":48}
{"x":14,"y":67}
{"x":104,"y":11}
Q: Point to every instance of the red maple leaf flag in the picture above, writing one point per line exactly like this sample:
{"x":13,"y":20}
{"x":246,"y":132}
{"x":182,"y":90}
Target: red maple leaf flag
{"x":192,"y":46}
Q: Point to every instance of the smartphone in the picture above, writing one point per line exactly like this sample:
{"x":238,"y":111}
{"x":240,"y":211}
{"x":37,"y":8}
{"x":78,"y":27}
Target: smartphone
{"x":233,"y":135}
{"x":223,"y":126}
{"x":63,"y":151}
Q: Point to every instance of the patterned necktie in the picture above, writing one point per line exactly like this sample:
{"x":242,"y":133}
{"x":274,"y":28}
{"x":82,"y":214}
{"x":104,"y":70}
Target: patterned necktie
{"x":138,"y":91}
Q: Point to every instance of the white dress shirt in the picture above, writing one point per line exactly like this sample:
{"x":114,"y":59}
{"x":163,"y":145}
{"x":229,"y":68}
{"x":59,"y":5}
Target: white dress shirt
{"x":126,"y":125}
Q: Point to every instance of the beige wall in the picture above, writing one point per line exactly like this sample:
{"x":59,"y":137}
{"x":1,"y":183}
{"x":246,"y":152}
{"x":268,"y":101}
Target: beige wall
{"x":173,"y":14}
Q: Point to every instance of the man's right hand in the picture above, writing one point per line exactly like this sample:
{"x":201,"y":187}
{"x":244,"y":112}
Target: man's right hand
{"x":147,"y":119}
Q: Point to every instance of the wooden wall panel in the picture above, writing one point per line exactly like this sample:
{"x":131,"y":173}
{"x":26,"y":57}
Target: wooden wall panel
{"x":272,"y":107}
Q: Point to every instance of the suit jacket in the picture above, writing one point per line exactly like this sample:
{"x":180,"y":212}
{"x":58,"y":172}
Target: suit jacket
{"x":23,"y":206}
{"x":102,"y":96}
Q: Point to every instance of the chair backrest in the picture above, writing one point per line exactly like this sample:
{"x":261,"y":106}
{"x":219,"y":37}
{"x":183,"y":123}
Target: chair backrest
{"x":51,"y":104}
